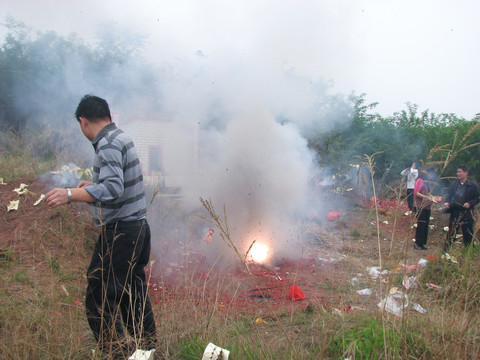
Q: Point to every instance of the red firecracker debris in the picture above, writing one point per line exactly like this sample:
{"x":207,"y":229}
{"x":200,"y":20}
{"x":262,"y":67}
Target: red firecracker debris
{"x":384,"y":204}
{"x":333,"y":215}
{"x":208,"y":238}
{"x":295,"y":293}
{"x":432,"y":257}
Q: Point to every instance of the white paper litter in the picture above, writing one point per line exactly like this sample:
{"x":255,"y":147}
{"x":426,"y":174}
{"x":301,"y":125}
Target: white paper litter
{"x":389,"y":304}
{"x":39,"y":200}
{"x":13,"y":205}
{"x":409,"y":282}
{"x":22,"y":189}
{"x":142,"y":355}
{"x":419,"y":308}
{"x":335,"y":311}
{"x":375,"y":272}
{"x":394,"y":302}
{"x":433,"y":286}
{"x":422,"y":262}
{"x":364,"y":292}
{"x":451,"y":258}
{"x":213,"y":352}
{"x":399,"y":296}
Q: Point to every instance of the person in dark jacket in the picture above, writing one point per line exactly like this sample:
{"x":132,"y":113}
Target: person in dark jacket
{"x":462,"y":196}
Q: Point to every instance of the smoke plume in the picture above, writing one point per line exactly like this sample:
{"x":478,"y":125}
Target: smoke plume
{"x":242,"y":125}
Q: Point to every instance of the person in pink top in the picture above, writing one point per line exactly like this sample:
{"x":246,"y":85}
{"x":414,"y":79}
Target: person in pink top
{"x":423,"y":202}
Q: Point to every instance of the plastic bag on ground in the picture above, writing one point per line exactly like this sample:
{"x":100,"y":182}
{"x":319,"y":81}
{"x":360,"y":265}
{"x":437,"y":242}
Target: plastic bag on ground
{"x":419,"y":308}
{"x":364,"y":292}
{"x":394,"y":302}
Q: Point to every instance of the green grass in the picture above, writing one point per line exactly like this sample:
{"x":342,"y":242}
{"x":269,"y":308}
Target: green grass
{"x":370,"y":340}
{"x":17,"y":160}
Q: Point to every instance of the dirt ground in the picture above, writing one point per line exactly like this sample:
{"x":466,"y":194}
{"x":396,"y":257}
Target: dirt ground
{"x":338,"y":254}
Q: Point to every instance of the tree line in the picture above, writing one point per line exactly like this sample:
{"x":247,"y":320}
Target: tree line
{"x":42,"y":73}
{"x":442,"y":141}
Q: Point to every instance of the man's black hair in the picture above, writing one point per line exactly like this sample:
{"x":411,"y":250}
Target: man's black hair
{"x":92,"y":108}
{"x":464,"y":168}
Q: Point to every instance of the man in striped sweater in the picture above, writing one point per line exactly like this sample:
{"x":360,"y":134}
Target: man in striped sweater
{"x":117,"y":287}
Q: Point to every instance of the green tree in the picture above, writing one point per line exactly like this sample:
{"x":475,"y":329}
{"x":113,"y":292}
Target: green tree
{"x":43,"y":74}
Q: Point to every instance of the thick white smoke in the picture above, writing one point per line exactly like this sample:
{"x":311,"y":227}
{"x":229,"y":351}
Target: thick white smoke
{"x":245,"y":159}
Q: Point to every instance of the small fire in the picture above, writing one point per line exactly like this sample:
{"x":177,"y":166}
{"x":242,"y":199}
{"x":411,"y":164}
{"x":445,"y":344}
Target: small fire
{"x":258,"y":252}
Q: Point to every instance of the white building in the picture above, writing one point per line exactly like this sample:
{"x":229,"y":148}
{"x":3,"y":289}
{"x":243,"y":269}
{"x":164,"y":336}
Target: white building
{"x":161,"y":144}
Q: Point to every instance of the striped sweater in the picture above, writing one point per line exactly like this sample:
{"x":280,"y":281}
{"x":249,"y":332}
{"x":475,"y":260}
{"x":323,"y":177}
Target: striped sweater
{"x":117,"y":178}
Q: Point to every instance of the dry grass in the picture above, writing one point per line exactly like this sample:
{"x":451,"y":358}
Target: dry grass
{"x":43,"y":262}
{"x":39,"y":320}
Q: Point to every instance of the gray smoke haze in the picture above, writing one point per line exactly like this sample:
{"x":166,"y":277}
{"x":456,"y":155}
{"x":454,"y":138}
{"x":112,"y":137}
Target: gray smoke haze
{"x":364,"y":45}
{"x":244,"y":124}
{"x":238,"y":138}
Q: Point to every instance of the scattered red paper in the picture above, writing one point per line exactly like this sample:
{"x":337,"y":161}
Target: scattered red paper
{"x":413,"y":267}
{"x":208,"y":238}
{"x":432,"y":257}
{"x":295,"y":293}
{"x":333,"y":215}
{"x":383,"y":204}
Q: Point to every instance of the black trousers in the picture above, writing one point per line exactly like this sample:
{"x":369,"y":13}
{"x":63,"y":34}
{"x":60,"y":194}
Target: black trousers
{"x":117,"y":288}
{"x":460,"y":218}
{"x":421,"y":234}
{"x":410,"y":198}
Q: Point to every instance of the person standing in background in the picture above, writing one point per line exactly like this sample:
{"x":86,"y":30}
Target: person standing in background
{"x":411,"y":173}
{"x":462,"y":196}
{"x":423,"y":204}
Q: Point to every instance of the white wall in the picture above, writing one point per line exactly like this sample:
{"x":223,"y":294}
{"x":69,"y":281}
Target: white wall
{"x":168,"y":136}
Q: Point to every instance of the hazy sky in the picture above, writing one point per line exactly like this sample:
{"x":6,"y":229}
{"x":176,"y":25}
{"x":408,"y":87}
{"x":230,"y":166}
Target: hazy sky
{"x":423,"y":51}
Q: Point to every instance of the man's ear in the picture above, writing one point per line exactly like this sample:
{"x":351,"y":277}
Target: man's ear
{"x":83,"y":121}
